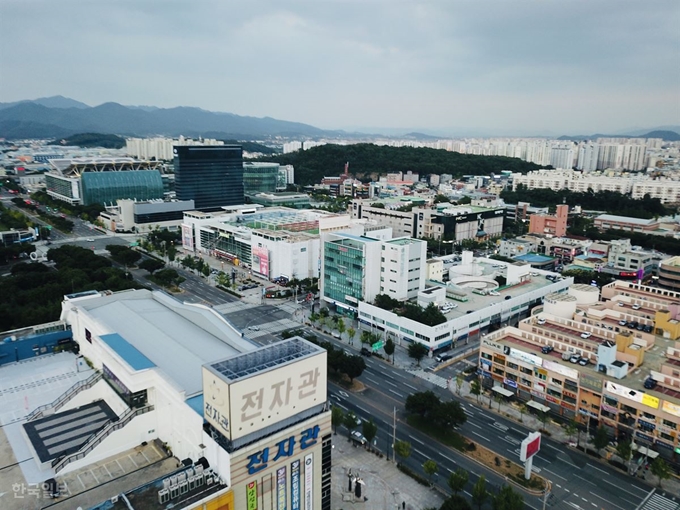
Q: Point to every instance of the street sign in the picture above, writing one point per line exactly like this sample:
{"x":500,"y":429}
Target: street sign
{"x":378,"y":345}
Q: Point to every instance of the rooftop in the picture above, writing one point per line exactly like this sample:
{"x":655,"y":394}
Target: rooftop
{"x":625,"y":219}
{"x":154,"y":330}
{"x":264,"y":359}
{"x":534,"y":258}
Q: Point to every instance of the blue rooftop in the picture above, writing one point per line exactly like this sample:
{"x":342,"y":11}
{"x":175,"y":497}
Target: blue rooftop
{"x":534,"y":258}
{"x":127,"y":351}
{"x":196,"y":403}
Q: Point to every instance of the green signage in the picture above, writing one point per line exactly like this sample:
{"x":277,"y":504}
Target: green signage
{"x":378,"y":345}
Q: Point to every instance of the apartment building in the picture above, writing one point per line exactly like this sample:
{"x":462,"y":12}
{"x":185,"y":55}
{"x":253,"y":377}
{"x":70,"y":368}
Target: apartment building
{"x":669,"y":273}
{"x":553,"y":224}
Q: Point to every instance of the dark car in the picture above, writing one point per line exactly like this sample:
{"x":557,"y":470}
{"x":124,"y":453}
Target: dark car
{"x":365,"y":351}
{"x":650,"y":383}
{"x":640,"y":327}
{"x":649,"y":329}
{"x":443,"y":357}
{"x":547,"y":349}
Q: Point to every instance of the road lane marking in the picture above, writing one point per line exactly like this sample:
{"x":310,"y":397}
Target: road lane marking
{"x":412,"y":387}
{"x":606,"y":500}
{"x":475,"y":433}
{"x":391,"y":383}
{"x":421,"y":453}
{"x":555,"y":474}
{"x":417,"y":441}
{"x":600,"y":470}
{"x":397,"y":394}
{"x":447,"y":458}
{"x":550,"y":446}
{"x":621,"y":489}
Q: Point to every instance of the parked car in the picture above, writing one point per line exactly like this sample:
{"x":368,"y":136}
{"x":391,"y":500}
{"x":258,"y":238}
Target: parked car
{"x":443,"y":357}
{"x":621,"y":304}
{"x":547,"y":349}
{"x":254,"y":328}
{"x":636,"y":307}
{"x":649,"y":329}
{"x":566,"y":356}
{"x":622,"y":323}
{"x":366,"y":352}
{"x":586,"y":334}
{"x":540,"y":321}
{"x":575,"y":358}
{"x":650,"y":383}
{"x":358,"y":437}
{"x":583,"y":362}
{"x":494,"y":293}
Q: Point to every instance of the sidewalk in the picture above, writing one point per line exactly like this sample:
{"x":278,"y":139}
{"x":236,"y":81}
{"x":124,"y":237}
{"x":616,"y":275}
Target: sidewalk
{"x":385,"y":486}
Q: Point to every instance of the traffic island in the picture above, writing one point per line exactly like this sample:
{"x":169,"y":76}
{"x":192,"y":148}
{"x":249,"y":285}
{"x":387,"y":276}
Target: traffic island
{"x":510,"y":470}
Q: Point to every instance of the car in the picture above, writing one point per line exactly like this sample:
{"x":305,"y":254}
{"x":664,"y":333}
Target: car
{"x":533,"y":274}
{"x":547,"y":349}
{"x":214,"y":271}
{"x":358,"y":437}
{"x":622,"y":322}
{"x":335,"y":334}
{"x":540,"y":321}
{"x":89,"y":240}
{"x":648,"y":329}
{"x":254,"y":328}
{"x":650,"y":383}
{"x":575,"y":358}
{"x":494,"y":293}
{"x":583,"y":362}
{"x":621,"y":304}
{"x":636,"y":307}
{"x":586,"y":334}
{"x":366,"y":352}
{"x":443,"y":357}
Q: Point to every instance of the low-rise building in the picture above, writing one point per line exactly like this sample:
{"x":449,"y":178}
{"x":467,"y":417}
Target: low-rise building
{"x":669,"y":273}
{"x":610,"y":221}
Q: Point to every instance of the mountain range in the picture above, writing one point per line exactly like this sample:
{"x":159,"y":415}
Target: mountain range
{"x":58,"y":117}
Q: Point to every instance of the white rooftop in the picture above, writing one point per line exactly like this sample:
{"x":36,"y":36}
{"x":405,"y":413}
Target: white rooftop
{"x":178,"y":338}
{"x":625,"y":219}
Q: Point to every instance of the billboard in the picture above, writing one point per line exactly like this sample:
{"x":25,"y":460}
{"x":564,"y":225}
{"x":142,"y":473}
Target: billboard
{"x":530,"y":446}
{"x":260,"y":260}
{"x":553,"y":366}
{"x":526,"y":357}
{"x":281,"y":488}
{"x":251,"y":495}
{"x":670,"y":408}
{"x":295,"y":485}
{"x":254,"y":402}
{"x":637,"y":396}
{"x":187,"y":237}
{"x":309,"y":482}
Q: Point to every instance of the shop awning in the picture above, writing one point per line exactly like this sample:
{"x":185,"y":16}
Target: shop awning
{"x":538,"y":407}
{"x":503,"y":391}
{"x":645,"y":452}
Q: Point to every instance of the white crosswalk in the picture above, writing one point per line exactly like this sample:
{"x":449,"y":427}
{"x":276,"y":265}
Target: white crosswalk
{"x":437,"y":380}
{"x":659,"y":502}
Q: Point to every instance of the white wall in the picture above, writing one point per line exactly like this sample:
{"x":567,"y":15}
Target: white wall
{"x":100,"y":391}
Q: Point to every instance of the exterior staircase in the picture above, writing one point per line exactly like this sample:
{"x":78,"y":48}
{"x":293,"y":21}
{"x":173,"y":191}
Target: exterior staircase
{"x":53,"y":407}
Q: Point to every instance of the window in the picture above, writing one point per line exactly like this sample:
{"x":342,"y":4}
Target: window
{"x":556,"y":381}
{"x":670,"y":424}
{"x":88,"y":335}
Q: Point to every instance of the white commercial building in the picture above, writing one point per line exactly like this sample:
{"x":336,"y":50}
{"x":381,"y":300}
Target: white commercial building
{"x":402,"y":274}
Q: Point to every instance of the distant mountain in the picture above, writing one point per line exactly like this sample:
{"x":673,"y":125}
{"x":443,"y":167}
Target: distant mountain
{"x":641,"y":131}
{"x":669,"y":136}
{"x":49,"y":102}
{"x":30,"y":119}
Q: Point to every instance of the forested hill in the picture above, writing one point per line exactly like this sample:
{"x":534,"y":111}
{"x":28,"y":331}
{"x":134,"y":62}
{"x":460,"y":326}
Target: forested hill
{"x":367,"y":161}
{"x":104,"y":140}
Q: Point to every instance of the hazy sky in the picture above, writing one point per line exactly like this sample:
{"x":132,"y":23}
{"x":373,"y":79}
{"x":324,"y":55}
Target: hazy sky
{"x":506,"y":66}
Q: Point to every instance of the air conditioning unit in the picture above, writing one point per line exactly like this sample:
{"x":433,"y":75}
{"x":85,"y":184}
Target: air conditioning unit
{"x":184,"y":487}
{"x":192,"y":483}
{"x":174,"y":491}
{"x":209,"y":480}
{"x":163,"y":496}
{"x":166,"y":483}
{"x":114,"y":499}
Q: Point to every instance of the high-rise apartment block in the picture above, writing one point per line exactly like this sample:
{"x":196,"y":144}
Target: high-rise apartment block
{"x":210,"y":176}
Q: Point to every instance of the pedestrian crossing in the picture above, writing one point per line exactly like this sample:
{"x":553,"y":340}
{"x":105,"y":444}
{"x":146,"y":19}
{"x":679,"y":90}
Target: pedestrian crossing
{"x":659,"y":502}
{"x":435,"y":379}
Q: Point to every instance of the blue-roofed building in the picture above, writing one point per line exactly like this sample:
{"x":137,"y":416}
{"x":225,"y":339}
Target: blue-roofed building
{"x":538,"y":261}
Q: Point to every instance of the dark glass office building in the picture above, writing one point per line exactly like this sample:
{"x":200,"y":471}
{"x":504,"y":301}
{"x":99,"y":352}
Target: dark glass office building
{"x":211,"y":176}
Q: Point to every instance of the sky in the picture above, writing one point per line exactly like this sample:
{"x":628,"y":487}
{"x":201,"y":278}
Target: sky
{"x":543,"y":67}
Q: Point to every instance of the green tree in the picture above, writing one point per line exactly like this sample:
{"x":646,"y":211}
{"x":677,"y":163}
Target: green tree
{"x":479,"y":492}
{"x":601,"y":438}
{"x":422,"y":403}
{"x":460,"y":379}
{"x":168,"y":277}
{"x":351,"y":332}
{"x":369,"y":429}
{"x":151,"y":265}
{"x":389,"y":348}
{"x":458,"y":480}
{"x":660,"y":469}
{"x":337,"y":418}
{"x":456,"y":502}
{"x":448,"y":415}
{"x":507,"y":499}
{"x":417,"y":351}
{"x":402,"y":449}
{"x":430,"y":467}
{"x":476,"y":389}
{"x":522,"y":412}
{"x":341,"y":327}
{"x":350,"y":421}
{"x":353,"y":366}
{"x":571,"y":428}
{"x":625,"y":450}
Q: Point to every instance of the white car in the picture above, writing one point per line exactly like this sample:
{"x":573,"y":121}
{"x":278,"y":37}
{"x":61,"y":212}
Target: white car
{"x":586,"y":334}
{"x":636,"y":307}
{"x":494,"y":293}
{"x":540,"y":321}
